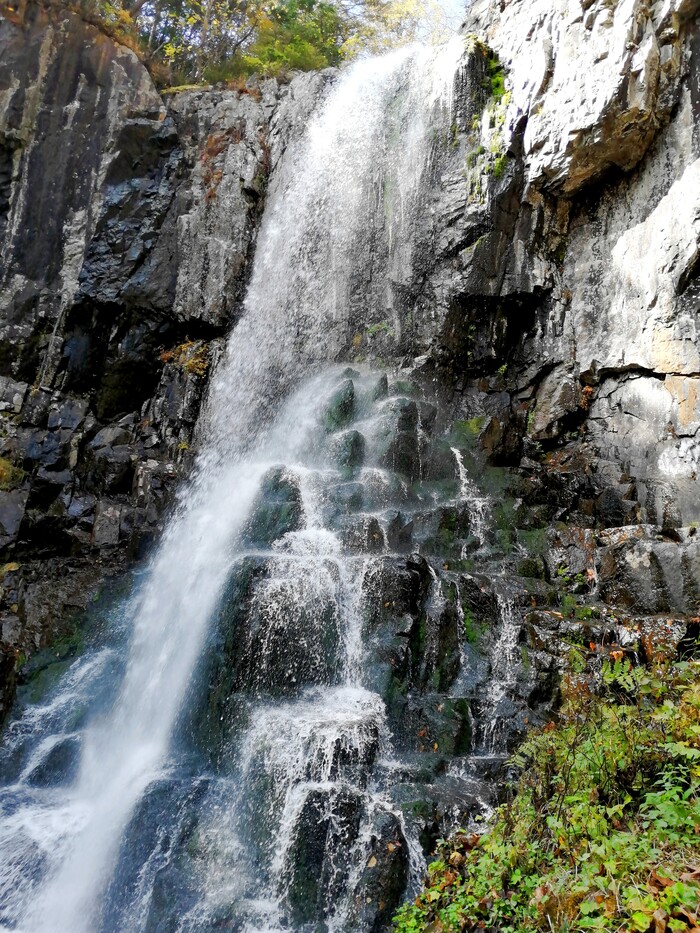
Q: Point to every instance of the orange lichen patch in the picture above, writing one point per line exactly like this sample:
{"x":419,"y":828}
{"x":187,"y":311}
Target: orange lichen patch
{"x":192,"y":357}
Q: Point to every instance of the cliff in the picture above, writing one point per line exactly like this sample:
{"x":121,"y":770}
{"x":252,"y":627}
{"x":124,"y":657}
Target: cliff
{"x":543,"y":376}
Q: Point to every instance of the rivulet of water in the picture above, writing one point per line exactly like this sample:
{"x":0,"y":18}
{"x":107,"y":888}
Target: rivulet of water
{"x":505,"y":656}
{"x":477,"y":503}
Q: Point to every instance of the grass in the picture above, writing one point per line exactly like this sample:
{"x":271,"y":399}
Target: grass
{"x":10,"y":476}
{"x":603,"y":832}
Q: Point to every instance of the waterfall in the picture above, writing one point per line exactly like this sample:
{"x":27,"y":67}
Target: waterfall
{"x":335,"y":253}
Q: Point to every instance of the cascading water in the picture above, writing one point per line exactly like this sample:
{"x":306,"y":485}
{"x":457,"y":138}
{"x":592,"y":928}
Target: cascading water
{"x":300,"y":776}
{"x":478,"y":504}
{"x":505,"y":657}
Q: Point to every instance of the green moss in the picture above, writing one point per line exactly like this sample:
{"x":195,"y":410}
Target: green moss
{"x":10,"y":476}
{"x":497,"y":80}
{"x":500,"y":164}
{"x":465,"y":434}
{"x":560,"y":251}
{"x":180,"y":89}
{"x":568,"y":604}
{"x":534,"y":540}
{"x":473,"y":631}
{"x":383,"y":327}
{"x":502,"y":513}
{"x":447,"y":531}
{"x":43,"y":671}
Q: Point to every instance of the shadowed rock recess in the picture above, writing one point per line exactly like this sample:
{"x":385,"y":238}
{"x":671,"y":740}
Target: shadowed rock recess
{"x":496,"y":462}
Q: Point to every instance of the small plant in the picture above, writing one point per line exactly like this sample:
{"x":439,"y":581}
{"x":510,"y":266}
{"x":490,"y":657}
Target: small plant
{"x":192,"y":357}
{"x":500,"y":164}
{"x":10,"y":476}
{"x":383,"y":327}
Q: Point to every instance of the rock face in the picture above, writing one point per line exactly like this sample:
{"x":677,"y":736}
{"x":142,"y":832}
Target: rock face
{"x":574,"y":258}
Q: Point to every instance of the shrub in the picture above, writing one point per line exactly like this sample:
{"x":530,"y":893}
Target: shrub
{"x":604,"y":830}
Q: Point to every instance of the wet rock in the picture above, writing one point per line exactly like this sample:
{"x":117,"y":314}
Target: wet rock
{"x":443,"y":532}
{"x":348,"y":497}
{"x":394,"y":588}
{"x":380,"y":389}
{"x":438,"y":462}
{"x":112,"y":436}
{"x":59,"y":766}
{"x":479,"y":597}
{"x":341,"y":407}
{"x":383,"y":879}
{"x":436,"y":726}
{"x":105,"y":529}
{"x":348,"y":451}
{"x":651,"y":576}
{"x":8,"y":678}
{"x":448,"y":803}
{"x":278,"y":509}
{"x":318,"y":861}
{"x":399,"y":533}
{"x":403,"y":414}
{"x":427,"y":414}
{"x":162,"y":831}
{"x":402,"y":455}
{"x":613,"y":509}
{"x":533,"y":567}
{"x":363,"y":534}
{"x":277,"y":630}
{"x":12,"y":507}
{"x":502,"y":439}
{"x":383,"y":489}
{"x":633,"y":84}
{"x":571,"y":553}
{"x":558,"y":397}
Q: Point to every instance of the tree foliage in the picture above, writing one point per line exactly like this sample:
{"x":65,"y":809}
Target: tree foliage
{"x":204,"y":41}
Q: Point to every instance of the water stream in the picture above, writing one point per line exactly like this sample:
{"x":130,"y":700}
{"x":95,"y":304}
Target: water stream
{"x":222,"y":757}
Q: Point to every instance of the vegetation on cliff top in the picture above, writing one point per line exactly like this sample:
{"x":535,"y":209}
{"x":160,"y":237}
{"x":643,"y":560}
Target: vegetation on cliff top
{"x":603,"y":832}
{"x":206,"y":41}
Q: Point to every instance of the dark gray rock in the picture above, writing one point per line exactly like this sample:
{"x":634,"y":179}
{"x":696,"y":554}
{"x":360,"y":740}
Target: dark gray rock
{"x":278,"y":509}
{"x":341,"y":407}
{"x":381,"y":884}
